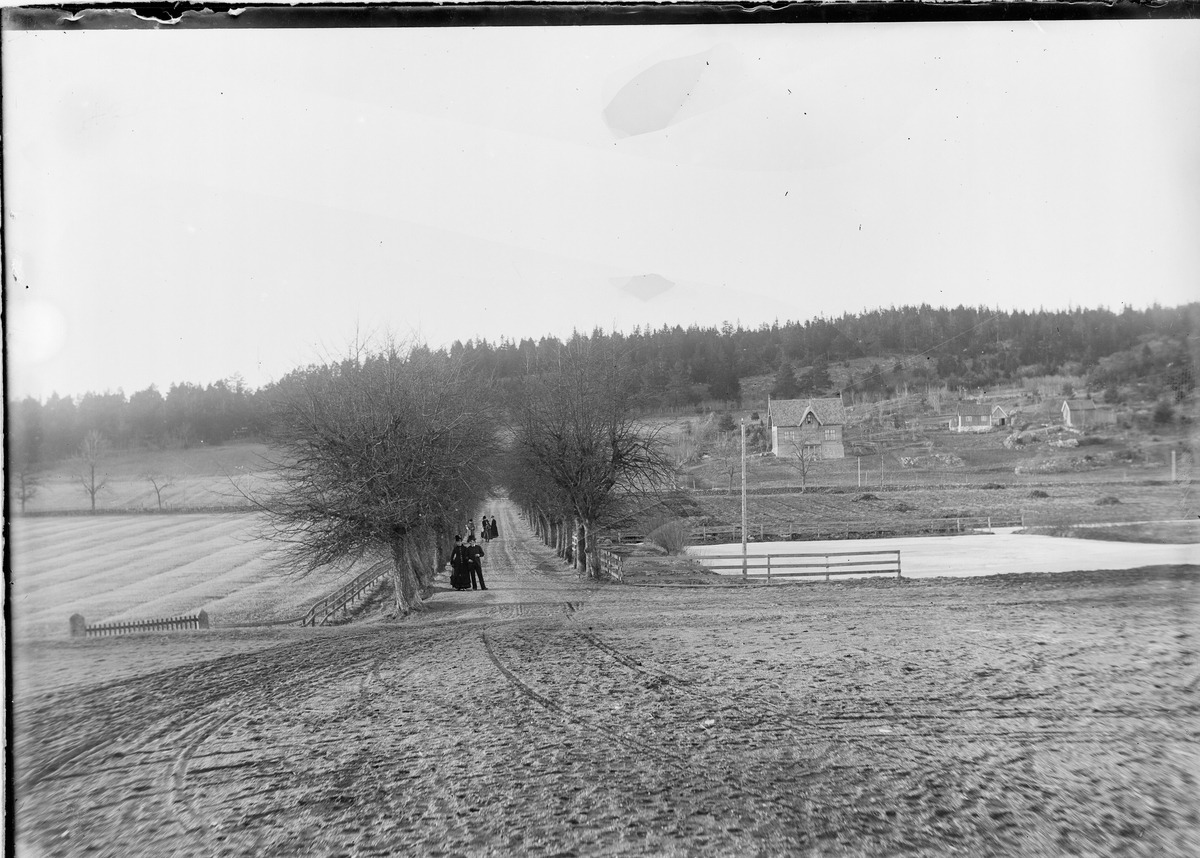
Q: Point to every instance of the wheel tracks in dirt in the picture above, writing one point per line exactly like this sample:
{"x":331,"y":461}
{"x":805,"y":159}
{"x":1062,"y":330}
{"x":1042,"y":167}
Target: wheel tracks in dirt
{"x":682,"y":763}
{"x":163,"y":744}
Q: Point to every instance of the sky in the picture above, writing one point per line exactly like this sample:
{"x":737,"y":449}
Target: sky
{"x":187,"y":205}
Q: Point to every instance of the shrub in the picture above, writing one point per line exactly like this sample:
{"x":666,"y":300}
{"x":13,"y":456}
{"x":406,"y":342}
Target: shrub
{"x":1108,"y":500}
{"x":991,"y":486}
{"x":866,"y":497}
{"x":1038,"y":493}
{"x":672,"y":536}
{"x":726,"y":424}
{"x":1091,"y":440}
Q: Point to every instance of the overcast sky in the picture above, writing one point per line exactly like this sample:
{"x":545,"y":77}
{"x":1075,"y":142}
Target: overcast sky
{"x":183,"y":206}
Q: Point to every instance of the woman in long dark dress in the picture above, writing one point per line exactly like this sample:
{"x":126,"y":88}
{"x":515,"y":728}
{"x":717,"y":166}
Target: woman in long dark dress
{"x":493,"y":532}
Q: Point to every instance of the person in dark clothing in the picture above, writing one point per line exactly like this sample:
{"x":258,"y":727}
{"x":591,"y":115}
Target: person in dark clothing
{"x":493,"y":533}
{"x":474,"y":554}
{"x":459,"y":565}
{"x":485,"y":529}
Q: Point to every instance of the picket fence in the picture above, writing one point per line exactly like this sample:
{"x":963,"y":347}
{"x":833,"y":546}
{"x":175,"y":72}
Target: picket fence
{"x":781,"y":567}
{"x":341,"y":600}
{"x":80,"y":628}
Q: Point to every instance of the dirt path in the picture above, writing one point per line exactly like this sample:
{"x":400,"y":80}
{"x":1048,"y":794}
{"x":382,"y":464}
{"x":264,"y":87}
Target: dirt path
{"x":1030,"y":715}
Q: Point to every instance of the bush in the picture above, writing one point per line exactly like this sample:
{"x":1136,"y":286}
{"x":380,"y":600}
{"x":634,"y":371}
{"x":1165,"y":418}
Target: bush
{"x":1091,"y":440}
{"x":1038,"y":493}
{"x":1108,"y":500}
{"x":672,"y":536}
{"x":991,"y":486}
{"x":726,"y":424}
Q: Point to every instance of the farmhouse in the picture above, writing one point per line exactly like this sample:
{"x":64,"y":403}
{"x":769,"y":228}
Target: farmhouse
{"x":1084,"y":412}
{"x":971,"y":418}
{"x":811,"y":426}
{"x":1002,"y":416}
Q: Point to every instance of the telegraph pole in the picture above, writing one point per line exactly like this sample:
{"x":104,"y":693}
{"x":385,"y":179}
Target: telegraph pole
{"x":743,"y":497}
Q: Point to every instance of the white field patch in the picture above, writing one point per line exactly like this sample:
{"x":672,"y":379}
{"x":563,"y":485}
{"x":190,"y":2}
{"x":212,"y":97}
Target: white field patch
{"x":116,"y":568}
{"x":979,"y":554}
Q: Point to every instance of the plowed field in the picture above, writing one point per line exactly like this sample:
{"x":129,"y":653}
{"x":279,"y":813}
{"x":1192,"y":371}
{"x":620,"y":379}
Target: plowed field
{"x":1030,"y":715}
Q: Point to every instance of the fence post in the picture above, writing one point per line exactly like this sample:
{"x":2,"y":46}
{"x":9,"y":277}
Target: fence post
{"x":897,"y":564}
{"x":826,"y":567}
{"x":768,"y":570}
{"x":78,"y":626}
{"x":203,"y":617}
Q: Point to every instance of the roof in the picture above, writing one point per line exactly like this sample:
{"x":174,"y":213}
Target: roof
{"x":1080,"y":404}
{"x":973,"y":410}
{"x":790,"y":412}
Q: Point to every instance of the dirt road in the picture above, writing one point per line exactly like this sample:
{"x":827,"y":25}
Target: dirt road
{"x":1016,"y":715}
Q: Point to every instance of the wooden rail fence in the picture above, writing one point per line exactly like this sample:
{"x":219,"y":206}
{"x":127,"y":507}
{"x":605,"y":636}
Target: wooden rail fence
{"x":320,"y":612}
{"x":80,"y":628}
{"x":779,"y":567}
{"x":611,"y":565}
{"x":707,"y":533}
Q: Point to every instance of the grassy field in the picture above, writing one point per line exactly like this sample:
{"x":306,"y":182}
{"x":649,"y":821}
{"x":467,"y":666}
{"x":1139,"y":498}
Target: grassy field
{"x":197,"y":477}
{"x":129,"y":567}
{"x":846,"y":513}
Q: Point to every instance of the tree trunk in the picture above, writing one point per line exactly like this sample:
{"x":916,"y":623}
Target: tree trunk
{"x":408,"y":598}
{"x":585,"y":558}
{"x":422,"y":554}
{"x":575,"y":546}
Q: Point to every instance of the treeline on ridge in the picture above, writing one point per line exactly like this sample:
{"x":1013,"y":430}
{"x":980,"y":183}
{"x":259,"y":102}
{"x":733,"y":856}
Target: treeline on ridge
{"x":674,"y":367}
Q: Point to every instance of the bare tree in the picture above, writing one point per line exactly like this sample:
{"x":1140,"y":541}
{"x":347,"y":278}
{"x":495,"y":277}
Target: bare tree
{"x":577,"y":453}
{"x":728,"y":448}
{"x":27,"y":483}
{"x":90,"y":452}
{"x":805,"y":459}
{"x":378,"y":453}
{"x":160,"y":482}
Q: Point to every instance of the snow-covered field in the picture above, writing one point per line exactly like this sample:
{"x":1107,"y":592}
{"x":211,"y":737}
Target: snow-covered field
{"x":983,"y":554}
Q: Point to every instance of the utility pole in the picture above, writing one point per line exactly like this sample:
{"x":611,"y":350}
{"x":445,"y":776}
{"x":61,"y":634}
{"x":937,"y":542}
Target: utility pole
{"x":743,"y":497}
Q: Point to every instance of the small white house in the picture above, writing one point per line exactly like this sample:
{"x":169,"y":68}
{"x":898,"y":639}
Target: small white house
{"x":1002,"y":416}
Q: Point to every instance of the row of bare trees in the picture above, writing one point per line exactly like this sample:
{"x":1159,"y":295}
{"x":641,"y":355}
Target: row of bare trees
{"x":381,"y":453}
{"x":578,"y":461}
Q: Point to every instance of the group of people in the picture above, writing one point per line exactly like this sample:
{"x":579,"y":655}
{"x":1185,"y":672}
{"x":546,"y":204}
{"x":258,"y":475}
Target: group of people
{"x":466,"y":560}
{"x":487,"y":529}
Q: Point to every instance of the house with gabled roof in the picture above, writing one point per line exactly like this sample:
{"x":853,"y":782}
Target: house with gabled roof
{"x":1078,"y":413}
{"x":1002,"y":416}
{"x":812,"y":426}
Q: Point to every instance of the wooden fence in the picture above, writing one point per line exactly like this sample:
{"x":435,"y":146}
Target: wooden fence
{"x":320,"y":613}
{"x":780,"y":567}
{"x":611,"y":565}
{"x":707,"y":533}
{"x":80,"y":628}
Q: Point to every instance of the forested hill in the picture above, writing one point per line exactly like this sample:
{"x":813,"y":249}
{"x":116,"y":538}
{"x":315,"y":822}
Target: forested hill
{"x":963,"y":347}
